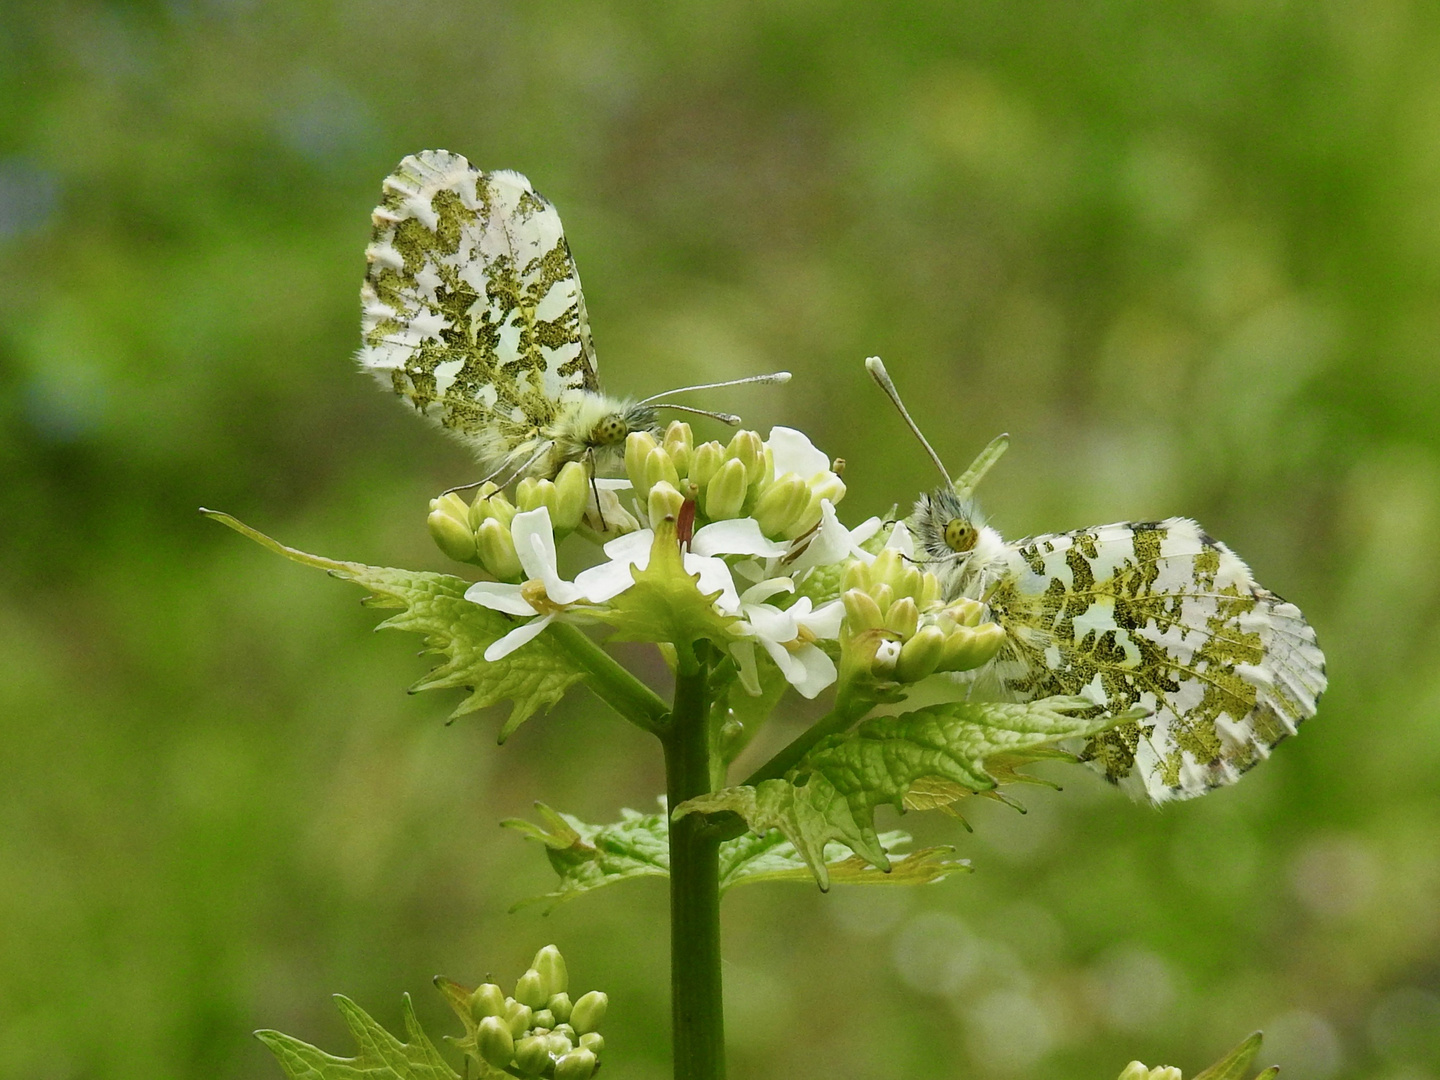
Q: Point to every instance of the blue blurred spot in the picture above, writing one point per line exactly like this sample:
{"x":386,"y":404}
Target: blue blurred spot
{"x":63,"y":407}
{"x":327,"y":124}
{"x":29,"y":197}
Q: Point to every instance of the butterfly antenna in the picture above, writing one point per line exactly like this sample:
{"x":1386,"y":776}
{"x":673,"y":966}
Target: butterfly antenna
{"x":773,"y":377}
{"x":876,"y":367}
{"x":723,"y":417}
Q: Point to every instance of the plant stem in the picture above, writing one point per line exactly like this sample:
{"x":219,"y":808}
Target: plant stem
{"x":832,"y":723}
{"x":696,"y":1008}
{"x":611,"y":682}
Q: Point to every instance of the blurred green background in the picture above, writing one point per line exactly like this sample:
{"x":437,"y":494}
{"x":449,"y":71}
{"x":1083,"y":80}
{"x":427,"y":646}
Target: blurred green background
{"x":1187,"y":254}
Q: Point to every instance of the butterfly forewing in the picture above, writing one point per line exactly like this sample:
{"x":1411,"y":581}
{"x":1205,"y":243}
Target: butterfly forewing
{"x":1160,"y":615}
{"x":472,"y":308}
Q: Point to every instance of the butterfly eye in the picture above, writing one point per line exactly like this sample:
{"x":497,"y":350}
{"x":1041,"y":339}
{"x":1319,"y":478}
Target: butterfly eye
{"x":960,"y":535}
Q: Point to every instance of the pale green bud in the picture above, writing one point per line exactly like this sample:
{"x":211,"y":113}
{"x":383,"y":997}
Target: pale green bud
{"x":1135,"y":1071}
{"x":531,"y":494}
{"x":530,"y":989}
{"x":543,"y":1018}
{"x":494,"y":505}
{"x":665,"y":502}
{"x":965,"y":611}
{"x":495,"y":548}
{"x":559,"y":1006}
{"x":749,"y":449}
{"x":450,"y":529}
{"x":659,"y":468}
{"x":532,"y":1055}
{"x":576,"y":1065}
{"x":855,"y":576}
{"x":559,"y":1044}
{"x":807,"y":519}
{"x":487,"y":1000}
{"x":903,"y":617}
{"x":589,"y":1011}
{"x":572,"y":496}
{"x":551,"y":966}
{"x":929,"y":590}
{"x":921,"y":655}
{"x":1165,"y":1072}
{"x":888,"y":567}
{"x":969,"y":647}
{"x":705,"y":462}
{"x":679,"y":443}
{"x":517,"y":1015}
{"x":781,"y":504}
{"x":829,"y":486}
{"x":725,"y":493}
{"x":593,"y":1041}
{"x":861,"y":611}
{"x":883,"y":595}
{"x":496,"y":1043}
{"x":637,"y":448}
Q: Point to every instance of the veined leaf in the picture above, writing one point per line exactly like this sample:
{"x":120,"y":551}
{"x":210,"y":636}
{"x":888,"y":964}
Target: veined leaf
{"x":1235,"y":1065}
{"x":534,"y":676}
{"x":831,"y":795}
{"x":382,"y":1056}
{"x":590,"y":857}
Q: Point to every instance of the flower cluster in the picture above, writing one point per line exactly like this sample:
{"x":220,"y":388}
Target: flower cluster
{"x":1136,"y":1071}
{"x":768,"y":562}
{"x":538,"y":1031}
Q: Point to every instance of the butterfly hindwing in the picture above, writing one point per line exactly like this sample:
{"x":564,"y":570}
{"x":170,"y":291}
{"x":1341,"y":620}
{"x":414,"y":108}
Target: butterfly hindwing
{"x":1160,"y":615}
{"x":472,"y":308}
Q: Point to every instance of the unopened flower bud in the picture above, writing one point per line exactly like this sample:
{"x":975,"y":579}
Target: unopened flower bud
{"x":705,"y":462}
{"x":637,"y":448}
{"x":532,"y":1055}
{"x":450,"y":527}
{"x":593,"y":1041}
{"x":495,"y":1042}
{"x":884,"y":595}
{"x":902,"y":617}
{"x":921,"y":655}
{"x":543,"y":1018}
{"x":749,"y":449}
{"x":559,"y":1044}
{"x":659,"y":468}
{"x":965,"y":611}
{"x":679,"y":443}
{"x":888,"y":567}
{"x":861,"y":611}
{"x":559,"y":1006}
{"x":530,"y":989}
{"x":487,"y":999}
{"x":724,"y":495}
{"x":1166,"y":1072}
{"x":1135,"y":1071}
{"x":781,"y":504}
{"x":829,"y":486}
{"x":576,"y":1065}
{"x":572,"y":496}
{"x":929,"y":590}
{"x":491,"y":504}
{"x":969,"y":647}
{"x":589,"y":1011}
{"x":665,"y":502}
{"x":517,"y":1016}
{"x":806,"y":520}
{"x":551,"y":966}
{"x":495,"y":548}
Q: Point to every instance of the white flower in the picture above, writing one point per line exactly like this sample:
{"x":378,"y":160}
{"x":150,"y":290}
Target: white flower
{"x":793,"y":452}
{"x":788,"y":635}
{"x":535,"y":547}
{"x":832,"y":541}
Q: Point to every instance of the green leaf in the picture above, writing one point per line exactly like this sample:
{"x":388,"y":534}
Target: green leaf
{"x":590,"y":857}
{"x":831,"y":794}
{"x":382,"y":1056}
{"x":1235,"y":1064}
{"x":534,"y":676}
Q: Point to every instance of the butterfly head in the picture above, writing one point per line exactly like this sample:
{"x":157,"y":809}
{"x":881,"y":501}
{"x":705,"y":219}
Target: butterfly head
{"x":615,"y":426}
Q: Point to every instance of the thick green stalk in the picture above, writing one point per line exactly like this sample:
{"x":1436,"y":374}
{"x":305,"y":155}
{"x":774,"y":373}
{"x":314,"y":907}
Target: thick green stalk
{"x":614,"y":685}
{"x":696,"y":1008}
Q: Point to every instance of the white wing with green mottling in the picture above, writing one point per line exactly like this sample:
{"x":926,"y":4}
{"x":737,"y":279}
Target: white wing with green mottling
{"x":472,"y":309}
{"x":1159,"y":615}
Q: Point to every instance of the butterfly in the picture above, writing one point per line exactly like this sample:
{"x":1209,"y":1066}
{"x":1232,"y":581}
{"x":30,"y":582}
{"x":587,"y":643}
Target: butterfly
{"x":1157,"y":614}
{"x":471,"y":310}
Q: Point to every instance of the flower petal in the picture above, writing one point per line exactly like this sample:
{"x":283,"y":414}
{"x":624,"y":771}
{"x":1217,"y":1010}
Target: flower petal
{"x":770,"y":623}
{"x":824,"y":621}
{"x":714,"y":577}
{"x":633,"y":548}
{"x":605,"y":581}
{"x":794,"y":452}
{"x":744,"y":654}
{"x":736,"y":536}
{"x":517,"y":637}
{"x":901,"y":541}
{"x":819,"y":671}
{"x":832,"y":541}
{"x":525,"y":529}
{"x":498,"y":596}
{"x":556,"y":588}
{"x":764,"y":590}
